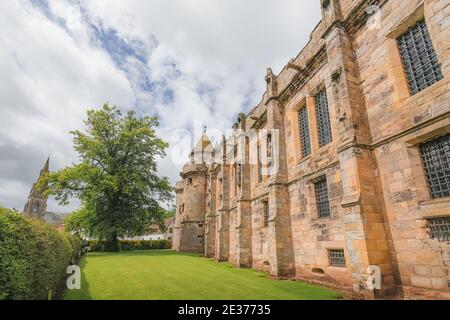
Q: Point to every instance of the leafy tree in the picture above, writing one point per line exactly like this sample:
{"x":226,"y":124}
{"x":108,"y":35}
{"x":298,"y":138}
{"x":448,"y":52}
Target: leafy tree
{"x":117,"y":179}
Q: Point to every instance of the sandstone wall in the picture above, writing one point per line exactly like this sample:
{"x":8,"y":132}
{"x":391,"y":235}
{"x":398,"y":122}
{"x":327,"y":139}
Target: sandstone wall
{"x":378,"y":194}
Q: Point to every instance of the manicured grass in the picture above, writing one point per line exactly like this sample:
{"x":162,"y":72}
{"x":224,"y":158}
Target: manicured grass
{"x":167,"y":275}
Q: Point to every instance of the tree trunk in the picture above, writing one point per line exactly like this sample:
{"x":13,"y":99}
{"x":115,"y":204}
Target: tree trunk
{"x":112,"y":243}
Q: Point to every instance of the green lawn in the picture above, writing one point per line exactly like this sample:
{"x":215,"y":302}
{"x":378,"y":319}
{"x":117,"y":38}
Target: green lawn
{"x":166,"y":275}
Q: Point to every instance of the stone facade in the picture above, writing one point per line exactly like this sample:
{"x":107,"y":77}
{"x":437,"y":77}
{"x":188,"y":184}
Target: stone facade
{"x":254,"y":200}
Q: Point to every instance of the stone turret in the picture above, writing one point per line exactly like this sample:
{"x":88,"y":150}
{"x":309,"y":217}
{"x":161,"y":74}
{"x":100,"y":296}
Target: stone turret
{"x":37,"y":201}
{"x":191,"y":200}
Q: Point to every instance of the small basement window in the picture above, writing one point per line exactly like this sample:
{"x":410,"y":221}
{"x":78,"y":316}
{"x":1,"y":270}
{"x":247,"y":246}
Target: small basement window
{"x":336,"y":258}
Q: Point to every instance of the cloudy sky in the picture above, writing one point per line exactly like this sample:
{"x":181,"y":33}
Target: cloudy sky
{"x":190,"y":62}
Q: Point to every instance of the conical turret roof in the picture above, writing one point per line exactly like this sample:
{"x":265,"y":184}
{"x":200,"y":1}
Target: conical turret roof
{"x":203,"y":143}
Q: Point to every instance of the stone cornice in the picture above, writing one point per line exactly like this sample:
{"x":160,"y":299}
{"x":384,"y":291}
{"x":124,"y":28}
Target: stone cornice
{"x":356,"y":19}
{"x":302,"y":77}
{"x":358,"y":16}
{"x":261,"y":122}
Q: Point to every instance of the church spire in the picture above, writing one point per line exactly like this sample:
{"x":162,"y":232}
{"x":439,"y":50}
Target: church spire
{"x":37,"y":200}
{"x":46,"y":168}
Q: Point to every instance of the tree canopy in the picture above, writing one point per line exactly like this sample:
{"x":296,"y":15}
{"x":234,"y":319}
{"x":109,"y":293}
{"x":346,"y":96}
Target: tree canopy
{"x":116,"y":179}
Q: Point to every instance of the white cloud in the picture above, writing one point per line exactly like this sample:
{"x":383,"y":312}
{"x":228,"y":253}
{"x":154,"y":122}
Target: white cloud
{"x":205,"y":61}
{"x":48,"y":81}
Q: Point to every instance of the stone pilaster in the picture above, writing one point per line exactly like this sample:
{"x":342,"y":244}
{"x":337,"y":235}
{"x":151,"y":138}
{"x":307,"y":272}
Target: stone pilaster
{"x":244,"y":214}
{"x":366,"y":232}
{"x":280,"y":235}
{"x":210,"y":231}
{"x":223,"y":211}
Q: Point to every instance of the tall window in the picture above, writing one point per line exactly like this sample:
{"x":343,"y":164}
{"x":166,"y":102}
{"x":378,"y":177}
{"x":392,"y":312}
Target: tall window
{"x":269,"y":152}
{"x":260,"y":165}
{"x":266,"y":213}
{"x":419,"y":58}
{"x":305,"y":139}
{"x":235,"y":179}
{"x":436,"y":160}
{"x":323,"y":119}
{"x":323,"y":204}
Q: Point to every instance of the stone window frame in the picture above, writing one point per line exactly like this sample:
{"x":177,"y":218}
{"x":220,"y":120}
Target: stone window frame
{"x":304,"y":132}
{"x":234,"y":174}
{"x":296,"y":136}
{"x":304,"y":104}
{"x":323,"y":208}
{"x":409,"y":20}
{"x":428,"y":207}
{"x":422,"y":189}
{"x":442,"y":174}
{"x":324,"y":131}
{"x":257,"y":140}
{"x":330,"y":257}
{"x":312,"y":192}
{"x":260,"y":175}
{"x":265,"y":217}
{"x":434,"y":64}
{"x":439,"y":228}
{"x":313,"y":121}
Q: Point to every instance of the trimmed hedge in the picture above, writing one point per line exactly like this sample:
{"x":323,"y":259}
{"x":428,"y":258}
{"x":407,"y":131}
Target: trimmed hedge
{"x":132,"y":245}
{"x":34,"y":257}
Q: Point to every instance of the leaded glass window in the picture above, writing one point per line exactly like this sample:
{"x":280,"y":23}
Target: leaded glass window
{"x":305,"y":139}
{"x":260,"y":165}
{"x":322,"y":201}
{"x":323,"y":119}
{"x":266,"y":213}
{"x":336,"y":257}
{"x":419,"y":58}
{"x":440,"y":228}
{"x":436,"y":160}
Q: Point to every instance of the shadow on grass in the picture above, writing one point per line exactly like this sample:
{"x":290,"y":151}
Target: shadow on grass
{"x":84,"y":292}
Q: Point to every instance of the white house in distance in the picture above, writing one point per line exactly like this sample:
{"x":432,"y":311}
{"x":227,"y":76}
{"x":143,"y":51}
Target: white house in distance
{"x":156,"y":233}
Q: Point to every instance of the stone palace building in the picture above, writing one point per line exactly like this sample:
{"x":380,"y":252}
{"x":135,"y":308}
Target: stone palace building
{"x":341,"y":173}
